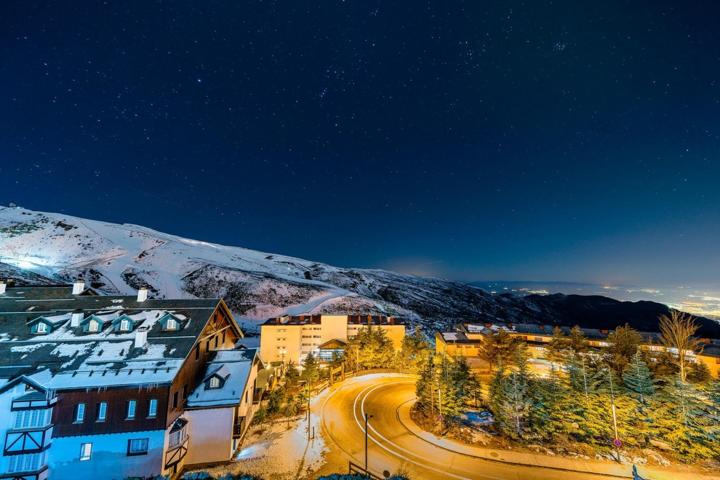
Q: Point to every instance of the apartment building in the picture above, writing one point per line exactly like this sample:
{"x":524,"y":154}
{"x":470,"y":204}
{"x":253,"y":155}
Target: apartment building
{"x":467,"y":339}
{"x":100,"y":386}
{"x":291,"y":338}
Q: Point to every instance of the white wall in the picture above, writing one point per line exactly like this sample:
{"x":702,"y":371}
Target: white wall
{"x":210,"y":435}
{"x":109,"y":458}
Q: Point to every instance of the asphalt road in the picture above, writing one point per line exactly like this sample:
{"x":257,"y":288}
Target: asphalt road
{"x":392,"y":447}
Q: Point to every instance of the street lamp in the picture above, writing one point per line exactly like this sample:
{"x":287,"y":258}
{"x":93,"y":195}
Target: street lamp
{"x":367,"y":417}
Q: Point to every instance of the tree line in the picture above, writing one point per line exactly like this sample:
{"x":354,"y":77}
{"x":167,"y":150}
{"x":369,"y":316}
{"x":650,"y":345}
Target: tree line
{"x":643,"y":398}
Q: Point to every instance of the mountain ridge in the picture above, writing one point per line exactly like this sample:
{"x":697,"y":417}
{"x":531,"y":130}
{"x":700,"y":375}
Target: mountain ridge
{"x":41,"y":248}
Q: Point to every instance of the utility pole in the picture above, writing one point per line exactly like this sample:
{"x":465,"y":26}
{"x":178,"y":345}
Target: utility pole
{"x":308,"y":410}
{"x":367,"y":417}
{"x":616,"y":440}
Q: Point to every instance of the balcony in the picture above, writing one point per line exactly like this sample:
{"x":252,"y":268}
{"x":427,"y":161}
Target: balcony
{"x":27,"y":440}
{"x":38,"y":474}
{"x":176,"y":453}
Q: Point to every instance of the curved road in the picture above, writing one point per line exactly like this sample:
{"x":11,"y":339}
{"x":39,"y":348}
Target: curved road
{"x":394,"y":448}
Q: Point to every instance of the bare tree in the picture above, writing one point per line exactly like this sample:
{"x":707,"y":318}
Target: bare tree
{"x":678,"y":332}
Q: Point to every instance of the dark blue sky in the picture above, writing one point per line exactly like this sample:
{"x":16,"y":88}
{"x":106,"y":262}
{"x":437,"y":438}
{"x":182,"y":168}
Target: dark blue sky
{"x":477,"y":140}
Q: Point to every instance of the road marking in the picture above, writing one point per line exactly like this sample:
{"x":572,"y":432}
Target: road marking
{"x":365,"y":393}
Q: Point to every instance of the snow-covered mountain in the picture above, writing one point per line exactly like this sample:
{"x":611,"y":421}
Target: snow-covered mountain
{"x":39,"y":247}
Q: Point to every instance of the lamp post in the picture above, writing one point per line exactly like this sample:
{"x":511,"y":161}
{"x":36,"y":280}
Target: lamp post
{"x":367,"y":417}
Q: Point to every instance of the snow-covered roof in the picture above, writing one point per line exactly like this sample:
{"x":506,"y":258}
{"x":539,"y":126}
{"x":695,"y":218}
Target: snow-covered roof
{"x":73,"y":358}
{"x":234,"y":367}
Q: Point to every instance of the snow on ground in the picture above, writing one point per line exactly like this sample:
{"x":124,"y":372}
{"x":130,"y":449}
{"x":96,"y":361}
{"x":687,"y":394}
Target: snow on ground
{"x":281,"y":451}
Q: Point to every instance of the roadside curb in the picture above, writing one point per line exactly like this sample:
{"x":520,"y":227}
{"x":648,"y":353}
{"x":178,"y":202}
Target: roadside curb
{"x":403,"y":416}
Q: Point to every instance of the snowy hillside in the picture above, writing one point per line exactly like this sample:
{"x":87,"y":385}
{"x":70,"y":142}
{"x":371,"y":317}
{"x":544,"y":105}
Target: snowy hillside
{"x":42,"y":248}
{"x":38,"y":247}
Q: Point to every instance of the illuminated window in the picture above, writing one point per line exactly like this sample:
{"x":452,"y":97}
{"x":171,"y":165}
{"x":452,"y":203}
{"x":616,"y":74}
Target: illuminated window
{"x":124,"y":325}
{"x":214,"y":382}
{"x":131,"y":409}
{"x":42,"y":328}
{"x":171,"y":324}
{"x":85,"y":451}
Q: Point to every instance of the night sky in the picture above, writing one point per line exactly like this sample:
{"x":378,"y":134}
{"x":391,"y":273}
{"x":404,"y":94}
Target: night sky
{"x":533,"y":140}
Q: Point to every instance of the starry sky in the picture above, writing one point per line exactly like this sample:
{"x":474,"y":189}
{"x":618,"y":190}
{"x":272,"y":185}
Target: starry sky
{"x":544,"y":141}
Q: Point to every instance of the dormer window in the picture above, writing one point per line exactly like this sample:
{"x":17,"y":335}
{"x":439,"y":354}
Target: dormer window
{"x":124,"y":325}
{"x":93,"y":326}
{"x":171,"y":324}
{"x":214,"y":382}
{"x":41,"y":328}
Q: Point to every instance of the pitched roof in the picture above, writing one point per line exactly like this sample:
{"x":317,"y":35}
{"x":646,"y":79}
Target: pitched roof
{"x":93,"y":359}
{"x":236,"y":366}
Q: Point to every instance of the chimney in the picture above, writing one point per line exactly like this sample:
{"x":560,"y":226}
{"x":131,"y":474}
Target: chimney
{"x":142,"y":294}
{"x":76,"y":318}
{"x":141,"y":337}
{"x":3,"y":286}
{"x":78,"y":287}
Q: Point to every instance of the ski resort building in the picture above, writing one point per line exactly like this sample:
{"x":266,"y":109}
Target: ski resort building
{"x":114,"y":386}
{"x":291,"y":338}
{"x":467,"y":340}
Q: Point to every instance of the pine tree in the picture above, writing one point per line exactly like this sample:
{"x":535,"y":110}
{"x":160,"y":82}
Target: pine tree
{"x":415,"y":350}
{"x":624,"y":342}
{"x":311,"y":369}
{"x":557,"y":348}
{"x":637,"y":377}
{"x":498,"y":348}
{"x":577,"y":341}
{"x":515,"y":405}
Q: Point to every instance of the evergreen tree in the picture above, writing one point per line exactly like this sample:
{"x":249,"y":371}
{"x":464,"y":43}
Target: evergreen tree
{"x":624,"y":342}
{"x":498,"y":348}
{"x":577,"y":341}
{"x":514,"y":401}
{"x":557,"y":348}
{"x":311,"y":369}
{"x":698,"y":372}
{"x":423,"y":387}
{"x":414,"y":352}
{"x":637,"y":377}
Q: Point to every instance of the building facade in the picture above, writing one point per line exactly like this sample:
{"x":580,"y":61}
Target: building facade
{"x":291,"y":338}
{"x":99,"y":386}
{"x":466,"y":341}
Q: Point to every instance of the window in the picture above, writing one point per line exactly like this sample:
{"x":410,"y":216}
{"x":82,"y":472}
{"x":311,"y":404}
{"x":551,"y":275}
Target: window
{"x":28,"y":462}
{"x":171,"y":324}
{"x":246,"y":396}
{"x":101,"y":411}
{"x":124,"y":325}
{"x":137,"y":446}
{"x":185,"y":390}
{"x":131,"y":409}
{"x":85,"y":451}
{"x":31,"y":418}
{"x":42,"y":327}
{"x":92,"y":326}
{"x":197,"y":351}
{"x":175,"y":400}
{"x":176,"y":438}
{"x":214,"y":382}
{"x":79,"y":413}
{"x":216,"y":342}
{"x":152,"y":408}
